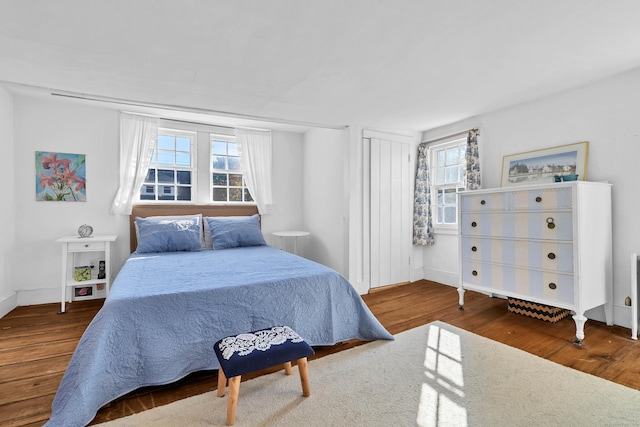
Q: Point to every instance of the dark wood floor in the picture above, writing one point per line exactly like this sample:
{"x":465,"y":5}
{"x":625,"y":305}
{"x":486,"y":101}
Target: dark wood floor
{"x":36,"y":345}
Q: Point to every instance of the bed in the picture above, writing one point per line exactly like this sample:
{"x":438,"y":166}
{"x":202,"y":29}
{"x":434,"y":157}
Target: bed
{"x":166,"y":309}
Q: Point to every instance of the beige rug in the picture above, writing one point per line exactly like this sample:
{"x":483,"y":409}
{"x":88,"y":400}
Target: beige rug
{"x":434,"y":375}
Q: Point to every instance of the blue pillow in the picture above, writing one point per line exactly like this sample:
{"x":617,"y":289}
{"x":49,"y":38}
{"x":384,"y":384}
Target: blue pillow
{"x":168,"y":235}
{"x":235,"y":231}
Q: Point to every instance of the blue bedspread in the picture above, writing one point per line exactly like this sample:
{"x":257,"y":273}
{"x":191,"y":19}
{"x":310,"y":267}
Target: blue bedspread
{"x":165,"y":311}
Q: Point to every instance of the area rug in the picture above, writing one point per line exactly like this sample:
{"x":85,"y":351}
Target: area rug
{"x":433,"y":375}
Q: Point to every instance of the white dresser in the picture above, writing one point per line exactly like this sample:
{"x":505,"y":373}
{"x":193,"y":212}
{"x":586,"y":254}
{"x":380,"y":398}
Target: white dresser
{"x":549,"y":244}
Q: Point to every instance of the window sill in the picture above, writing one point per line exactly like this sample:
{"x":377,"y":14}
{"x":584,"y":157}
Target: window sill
{"x":446,"y":230}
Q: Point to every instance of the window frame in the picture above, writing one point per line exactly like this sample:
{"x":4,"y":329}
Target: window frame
{"x":434,"y":165}
{"x":193,"y":141}
{"x":214,"y":137}
{"x":201,"y":177}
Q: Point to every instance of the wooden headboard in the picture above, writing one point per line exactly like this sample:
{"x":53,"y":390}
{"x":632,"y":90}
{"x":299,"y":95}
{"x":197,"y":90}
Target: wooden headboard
{"x":144,"y":211}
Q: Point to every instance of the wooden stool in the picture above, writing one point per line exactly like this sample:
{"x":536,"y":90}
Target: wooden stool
{"x":249,"y":352}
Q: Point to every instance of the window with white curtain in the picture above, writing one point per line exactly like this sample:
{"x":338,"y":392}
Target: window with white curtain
{"x":447,"y":179}
{"x":171,"y":172}
{"x":178,"y":170}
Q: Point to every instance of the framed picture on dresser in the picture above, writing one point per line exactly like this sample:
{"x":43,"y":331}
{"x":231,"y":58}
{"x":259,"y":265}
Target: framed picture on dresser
{"x":555,"y":164}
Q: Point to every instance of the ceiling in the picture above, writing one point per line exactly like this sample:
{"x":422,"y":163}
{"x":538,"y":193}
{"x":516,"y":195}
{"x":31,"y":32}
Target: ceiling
{"x":407,"y":65}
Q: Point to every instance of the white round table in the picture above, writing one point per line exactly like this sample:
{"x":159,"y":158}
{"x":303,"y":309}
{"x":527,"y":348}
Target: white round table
{"x":291,"y":234}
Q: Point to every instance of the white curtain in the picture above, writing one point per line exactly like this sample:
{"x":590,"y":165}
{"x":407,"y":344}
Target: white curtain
{"x":138,"y":135}
{"x":254,"y":147}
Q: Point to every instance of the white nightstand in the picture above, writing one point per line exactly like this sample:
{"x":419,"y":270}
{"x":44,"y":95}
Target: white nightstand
{"x":84,"y":251}
{"x":291,"y":234}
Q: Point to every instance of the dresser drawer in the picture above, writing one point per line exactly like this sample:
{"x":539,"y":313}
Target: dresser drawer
{"x":485,"y":202}
{"x":542,"y":199}
{"x":518,"y":225}
{"x":545,"y":255}
{"x":86,"y":246}
{"x":554,"y":288}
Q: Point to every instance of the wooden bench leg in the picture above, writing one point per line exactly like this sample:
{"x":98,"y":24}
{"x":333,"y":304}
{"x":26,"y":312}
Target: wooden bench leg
{"x":222,"y":382}
{"x":287,"y":368}
{"x":232,"y":400}
{"x":304,"y":376}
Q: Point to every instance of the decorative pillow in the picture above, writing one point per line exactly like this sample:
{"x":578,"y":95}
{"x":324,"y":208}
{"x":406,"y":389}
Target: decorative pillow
{"x":235,"y":231}
{"x":169,"y":235}
{"x":203,"y":233}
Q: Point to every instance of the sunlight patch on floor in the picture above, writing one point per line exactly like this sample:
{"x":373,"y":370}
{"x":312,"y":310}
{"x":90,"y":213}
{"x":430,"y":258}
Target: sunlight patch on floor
{"x":441,"y":394}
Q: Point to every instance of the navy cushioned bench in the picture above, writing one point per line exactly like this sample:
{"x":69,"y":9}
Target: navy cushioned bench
{"x":253,"y":351}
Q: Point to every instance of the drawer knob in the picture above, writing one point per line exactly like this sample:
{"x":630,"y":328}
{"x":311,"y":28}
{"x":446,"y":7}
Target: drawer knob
{"x":483,"y":202}
{"x":474,"y":249}
{"x":550,"y":223}
{"x":474,"y":224}
{"x":86,"y":246}
{"x":538,"y":199}
{"x":552,"y":285}
{"x":551,"y":255}
{"x":474,"y":273}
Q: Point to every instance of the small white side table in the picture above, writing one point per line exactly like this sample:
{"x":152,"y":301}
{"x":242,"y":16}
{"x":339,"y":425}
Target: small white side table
{"x":291,"y":234}
{"x":74,"y":245}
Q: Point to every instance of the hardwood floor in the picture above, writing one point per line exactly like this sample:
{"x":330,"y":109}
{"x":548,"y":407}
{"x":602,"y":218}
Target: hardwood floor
{"x":36,"y":345}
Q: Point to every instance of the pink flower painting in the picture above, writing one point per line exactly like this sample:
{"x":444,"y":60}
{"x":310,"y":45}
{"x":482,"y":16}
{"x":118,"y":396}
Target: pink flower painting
{"x":60,"y":177}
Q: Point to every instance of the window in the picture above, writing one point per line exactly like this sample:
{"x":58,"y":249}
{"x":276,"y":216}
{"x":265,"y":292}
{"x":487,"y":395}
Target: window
{"x":171,"y":172}
{"x":448,"y":167}
{"x":227,"y":183}
{"x":177,"y":174}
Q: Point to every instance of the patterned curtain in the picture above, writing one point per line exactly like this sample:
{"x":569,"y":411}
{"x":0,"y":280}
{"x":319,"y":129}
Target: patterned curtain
{"x":422,"y":225}
{"x":473,"y":162}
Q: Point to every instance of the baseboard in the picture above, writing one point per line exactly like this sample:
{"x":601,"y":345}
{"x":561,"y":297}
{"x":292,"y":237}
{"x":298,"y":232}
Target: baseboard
{"x":38,"y":296}
{"x":8,"y":303}
{"x":440,"y":276}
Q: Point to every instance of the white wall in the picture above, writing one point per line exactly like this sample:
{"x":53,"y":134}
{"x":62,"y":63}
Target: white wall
{"x":8,"y":297}
{"x":323,"y":198}
{"x":605,"y":113}
{"x":48,"y":124}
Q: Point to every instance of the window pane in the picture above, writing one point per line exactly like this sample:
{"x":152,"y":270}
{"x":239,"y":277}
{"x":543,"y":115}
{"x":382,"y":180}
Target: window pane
{"x":184,"y":177}
{"x":452,"y":156}
{"x":151,"y":176}
{"x":234,"y":163}
{"x":219,"y":194}
{"x":219,"y":148}
{"x":440,"y":157}
{"x":452,"y":174}
{"x":183,"y":159}
{"x":166,"y":192}
{"x":233,"y":149}
{"x":450,"y":196}
{"x":235,"y":179}
{"x":165,"y":175}
{"x":184,"y":193}
{"x":463,"y":152}
{"x":247,"y":196}
{"x":235,"y":194}
{"x":450,"y":215}
{"x":219,"y":162}
{"x":166,"y":158}
{"x":440,"y":179}
{"x":219,"y":179}
{"x":439,"y":199}
{"x":183,"y":144}
{"x":166,"y":142}
{"x":439,"y":215}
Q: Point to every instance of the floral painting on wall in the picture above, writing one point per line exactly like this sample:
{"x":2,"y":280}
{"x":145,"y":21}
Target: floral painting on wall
{"x":60,"y":177}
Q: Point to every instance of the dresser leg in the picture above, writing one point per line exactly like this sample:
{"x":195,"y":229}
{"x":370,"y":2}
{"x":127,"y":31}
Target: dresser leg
{"x":580,"y":320}
{"x":461,"y":292}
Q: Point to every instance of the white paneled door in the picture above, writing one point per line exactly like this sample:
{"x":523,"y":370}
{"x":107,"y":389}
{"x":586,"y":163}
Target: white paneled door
{"x":390,"y":213}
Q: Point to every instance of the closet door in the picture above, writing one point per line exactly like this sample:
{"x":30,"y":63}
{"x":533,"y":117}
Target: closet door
{"x":390,"y":211}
